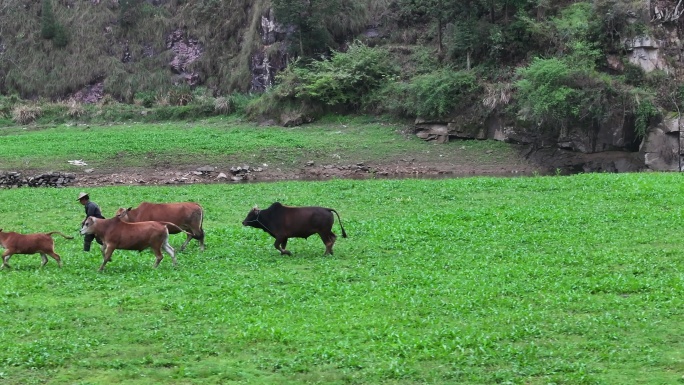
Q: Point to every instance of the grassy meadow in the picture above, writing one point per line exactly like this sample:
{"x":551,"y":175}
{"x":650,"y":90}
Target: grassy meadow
{"x":230,"y":141}
{"x":538,"y":280}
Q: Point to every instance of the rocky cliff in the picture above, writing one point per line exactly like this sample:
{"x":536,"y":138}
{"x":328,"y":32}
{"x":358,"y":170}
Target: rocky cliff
{"x":612,"y":145}
{"x":143,"y":46}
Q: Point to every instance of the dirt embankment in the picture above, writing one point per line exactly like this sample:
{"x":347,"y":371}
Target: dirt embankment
{"x":528,"y":162}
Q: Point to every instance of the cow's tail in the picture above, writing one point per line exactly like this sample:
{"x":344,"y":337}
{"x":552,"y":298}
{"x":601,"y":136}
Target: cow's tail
{"x":170,"y":225}
{"x":57,"y":232}
{"x":344,"y":234}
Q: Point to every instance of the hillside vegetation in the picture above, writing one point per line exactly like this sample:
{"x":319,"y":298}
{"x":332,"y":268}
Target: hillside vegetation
{"x":547,"y":65}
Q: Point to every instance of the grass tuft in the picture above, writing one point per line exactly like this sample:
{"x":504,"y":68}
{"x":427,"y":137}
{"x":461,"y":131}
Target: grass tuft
{"x":25,"y":114}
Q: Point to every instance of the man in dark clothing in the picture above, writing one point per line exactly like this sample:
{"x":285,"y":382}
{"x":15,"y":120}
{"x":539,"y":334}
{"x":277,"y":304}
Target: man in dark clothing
{"x":91,"y":210}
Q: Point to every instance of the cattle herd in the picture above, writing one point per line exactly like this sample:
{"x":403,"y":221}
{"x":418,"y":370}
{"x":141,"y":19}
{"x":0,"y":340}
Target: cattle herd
{"x":149,"y":226}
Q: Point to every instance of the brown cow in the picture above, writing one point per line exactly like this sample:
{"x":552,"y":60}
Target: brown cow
{"x":42,"y":243}
{"x":186,"y":215}
{"x":283,"y":222}
{"x":117,"y":234}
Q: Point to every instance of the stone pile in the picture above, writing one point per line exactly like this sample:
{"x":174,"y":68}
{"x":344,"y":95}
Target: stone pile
{"x":237,"y":173}
{"x":13,"y":179}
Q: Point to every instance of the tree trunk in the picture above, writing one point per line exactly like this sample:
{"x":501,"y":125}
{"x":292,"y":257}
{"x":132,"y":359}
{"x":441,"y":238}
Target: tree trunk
{"x":439,"y":36}
{"x":492,"y":12}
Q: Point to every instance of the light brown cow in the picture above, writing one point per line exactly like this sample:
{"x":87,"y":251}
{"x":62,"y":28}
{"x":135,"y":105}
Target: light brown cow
{"x":117,"y":234}
{"x":15,"y":243}
{"x":186,"y":215}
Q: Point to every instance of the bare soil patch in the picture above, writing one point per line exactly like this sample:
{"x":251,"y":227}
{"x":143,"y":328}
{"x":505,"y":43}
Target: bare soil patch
{"x":527,"y":162}
{"x":190,"y":175}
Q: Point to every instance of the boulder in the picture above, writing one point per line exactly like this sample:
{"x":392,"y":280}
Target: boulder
{"x":661,"y":148}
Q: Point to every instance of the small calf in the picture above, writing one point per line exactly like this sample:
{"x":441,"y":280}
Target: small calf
{"x":15,"y":243}
{"x":118,"y":234}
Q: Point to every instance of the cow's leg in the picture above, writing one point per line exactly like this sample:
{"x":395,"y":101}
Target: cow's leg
{"x":329,"y":240}
{"x":43,"y":259}
{"x":56,"y":257}
{"x":169,"y":250}
{"x":283,"y":245}
{"x":158,"y":254}
{"x":5,"y":258}
{"x":106,"y":255}
{"x":280,"y":244}
{"x":200,"y":239}
{"x":187,"y":240}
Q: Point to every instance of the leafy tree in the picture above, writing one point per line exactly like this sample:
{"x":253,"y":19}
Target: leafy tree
{"x":561,"y":90}
{"x":613,"y":21}
{"x":467,"y":30}
{"x":437,"y":11}
{"x":319,"y":24}
{"x":48,"y":23}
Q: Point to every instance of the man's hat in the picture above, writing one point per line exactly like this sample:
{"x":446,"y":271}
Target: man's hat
{"x":82,"y":195}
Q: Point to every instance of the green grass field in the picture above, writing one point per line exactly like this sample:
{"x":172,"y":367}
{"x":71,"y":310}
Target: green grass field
{"x":221,"y":141}
{"x":541,"y":280}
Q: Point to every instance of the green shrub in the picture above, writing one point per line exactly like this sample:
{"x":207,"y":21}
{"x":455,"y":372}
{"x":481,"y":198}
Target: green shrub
{"x":7,"y":104}
{"x":432,"y":95}
{"x":644,"y":115}
{"x":53,"y":113}
{"x":423,"y":60}
{"x":634,"y":75}
{"x":559,"y":90}
{"x":544,"y":93}
{"x":442,"y":92}
{"x":145,"y":98}
{"x":342,"y":80}
{"x":658,"y":78}
{"x":612,"y":21}
{"x":239,"y":102}
{"x":48,"y":23}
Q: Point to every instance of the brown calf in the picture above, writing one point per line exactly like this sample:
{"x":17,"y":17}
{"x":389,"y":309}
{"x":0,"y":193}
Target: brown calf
{"x":15,"y":243}
{"x":117,"y":234}
{"x":186,"y":215}
{"x":284,"y":222}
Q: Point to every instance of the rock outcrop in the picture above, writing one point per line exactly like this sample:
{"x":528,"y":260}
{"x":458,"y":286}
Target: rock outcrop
{"x":52,"y":179}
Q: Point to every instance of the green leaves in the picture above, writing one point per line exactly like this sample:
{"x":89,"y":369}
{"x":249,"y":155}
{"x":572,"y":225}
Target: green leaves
{"x":343,"y":80}
{"x":319,"y":25}
{"x":436,"y":94}
{"x":50,"y":28}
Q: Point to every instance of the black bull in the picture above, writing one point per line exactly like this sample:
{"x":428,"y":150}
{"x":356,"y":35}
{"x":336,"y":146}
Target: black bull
{"x":283,"y":222}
